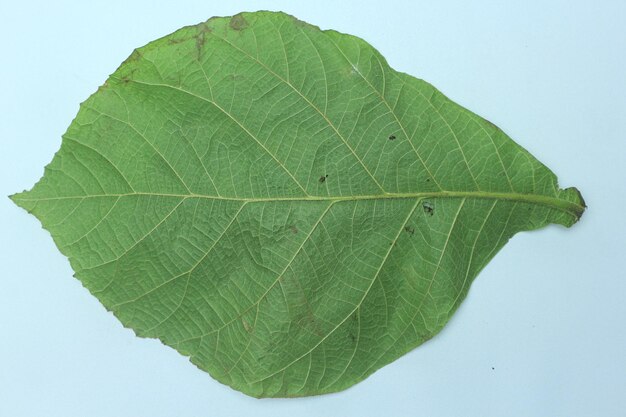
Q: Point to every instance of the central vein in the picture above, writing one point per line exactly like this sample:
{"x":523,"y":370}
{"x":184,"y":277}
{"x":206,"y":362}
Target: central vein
{"x":572,"y":208}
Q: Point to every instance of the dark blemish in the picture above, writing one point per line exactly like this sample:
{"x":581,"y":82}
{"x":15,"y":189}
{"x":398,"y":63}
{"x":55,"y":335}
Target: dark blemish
{"x":392,"y":137}
{"x":308,"y":321}
{"x":490,"y":124}
{"x":355,"y":320}
{"x":323,"y":178}
{"x":427,"y":179}
{"x":200,"y":41}
{"x":294,"y":230}
{"x":238,"y":22}
{"x":200,"y":37}
{"x":125,"y":79}
{"x":175,"y":41}
{"x":104,"y":86}
{"x":410,"y":230}
{"x":300,"y":23}
{"x":428,"y":208}
{"x":135,"y":56}
{"x":492,"y":368}
{"x":204,"y":27}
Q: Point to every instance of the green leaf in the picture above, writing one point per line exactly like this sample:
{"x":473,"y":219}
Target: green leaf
{"x":278,"y":204}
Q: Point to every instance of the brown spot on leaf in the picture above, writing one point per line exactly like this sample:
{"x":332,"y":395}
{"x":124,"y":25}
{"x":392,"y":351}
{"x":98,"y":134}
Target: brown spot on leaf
{"x":102,"y":87}
{"x":490,"y":124}
{"x":307,"y":320}
{"x":323,"y":178}
{"x":246,"y":325}
{"x":203,"y":29}
{"x":299,"y":22}
{"x":238,"y":22}
{"x":302,"y":24}
{"x":134,"y":56}
{"x":293,"y":229}
{"x":200,"y":40}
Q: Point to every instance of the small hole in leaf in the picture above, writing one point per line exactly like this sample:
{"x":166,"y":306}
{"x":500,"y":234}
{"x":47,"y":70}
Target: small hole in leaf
{"x":428,"y":208}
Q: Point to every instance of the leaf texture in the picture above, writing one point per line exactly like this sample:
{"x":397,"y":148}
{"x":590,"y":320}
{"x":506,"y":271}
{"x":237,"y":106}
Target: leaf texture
{"x":278,"y":204}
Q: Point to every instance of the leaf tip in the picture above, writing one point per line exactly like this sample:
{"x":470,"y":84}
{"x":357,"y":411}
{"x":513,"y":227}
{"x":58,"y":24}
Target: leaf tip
{"x":573,"y":204}
{"x":15,"y":198}
{"x":21,"y":200}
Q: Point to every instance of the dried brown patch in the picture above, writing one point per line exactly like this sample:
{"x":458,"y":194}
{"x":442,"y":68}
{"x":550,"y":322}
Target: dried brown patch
{"x":238,"y":22}
{"x":135,"y":56}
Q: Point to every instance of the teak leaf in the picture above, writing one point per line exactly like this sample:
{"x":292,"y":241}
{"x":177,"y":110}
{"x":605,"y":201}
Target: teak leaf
{"x":277,"y":203}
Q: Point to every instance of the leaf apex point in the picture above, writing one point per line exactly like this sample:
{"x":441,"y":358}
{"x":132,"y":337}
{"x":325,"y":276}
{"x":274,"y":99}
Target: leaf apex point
{"x":16,"y":197}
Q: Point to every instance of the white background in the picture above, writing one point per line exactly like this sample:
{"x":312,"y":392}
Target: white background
{"x":542,"y":332}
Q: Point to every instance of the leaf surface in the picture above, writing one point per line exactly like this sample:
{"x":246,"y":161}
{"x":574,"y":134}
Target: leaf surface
{"x":278,"y":204}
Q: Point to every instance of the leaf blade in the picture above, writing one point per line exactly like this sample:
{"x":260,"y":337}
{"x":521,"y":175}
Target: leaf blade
{"x":280,"y":205}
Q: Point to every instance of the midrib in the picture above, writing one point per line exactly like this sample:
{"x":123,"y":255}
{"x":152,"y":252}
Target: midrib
{"x":566,"y":206}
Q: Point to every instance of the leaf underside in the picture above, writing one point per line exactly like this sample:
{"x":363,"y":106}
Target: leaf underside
{"x":278,"y":204}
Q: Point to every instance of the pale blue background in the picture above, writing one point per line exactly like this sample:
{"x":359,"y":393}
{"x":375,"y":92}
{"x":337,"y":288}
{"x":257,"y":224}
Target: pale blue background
{"x":542,"y":332}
